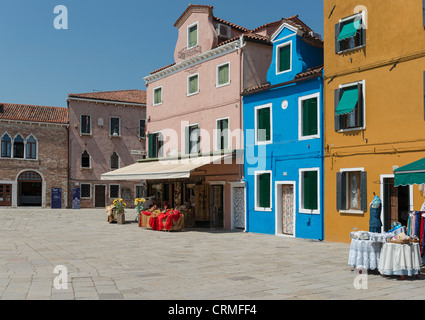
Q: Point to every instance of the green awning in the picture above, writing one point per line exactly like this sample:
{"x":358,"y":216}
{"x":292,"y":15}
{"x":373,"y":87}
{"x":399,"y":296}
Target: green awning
{"x":413,"y":173}
{"x":349,"y":29}
{"x":348,"y":101}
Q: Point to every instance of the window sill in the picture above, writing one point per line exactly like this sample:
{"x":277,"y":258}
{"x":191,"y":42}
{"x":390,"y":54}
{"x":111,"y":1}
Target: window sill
{"x":263,"y":209}
{"x":192,"y":94}
{"x":350,"y":50}
{"x":307,"y":211}
{"x":112,"y":136}
{"x":351,"y":129}
{"x":222,"y":85}
{"x":351,"y":211}
{"x":86,"y":134}
{"x":89,"y":169}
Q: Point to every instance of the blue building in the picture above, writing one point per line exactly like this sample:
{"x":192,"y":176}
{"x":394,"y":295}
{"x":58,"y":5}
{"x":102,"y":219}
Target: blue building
{"x":283,"y":128}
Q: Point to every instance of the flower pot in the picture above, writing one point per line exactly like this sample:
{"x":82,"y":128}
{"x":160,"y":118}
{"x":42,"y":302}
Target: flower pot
{"x":121,"y":217}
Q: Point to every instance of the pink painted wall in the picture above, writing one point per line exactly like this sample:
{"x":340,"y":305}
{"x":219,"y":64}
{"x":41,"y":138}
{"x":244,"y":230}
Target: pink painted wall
{"x":99,"y":145}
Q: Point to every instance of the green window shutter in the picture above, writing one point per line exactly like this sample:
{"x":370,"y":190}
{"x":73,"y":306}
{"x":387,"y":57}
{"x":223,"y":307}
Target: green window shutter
{"x":263,"y":124}
{"x":187,"y":140}
{"x":309,"y":117}
{"x":152,"y":145}
{"x":158,"y":96}
{"x":223,"y":74}
{"x":284,"y":58}
{"x":225,"y":134}
{"x":310,"y":190}
{"x":337,"y":43}
{"x":193,"y":84}
{"x":193,"y":36}
{"x":341,"y":191}
{"x":264,"y":190}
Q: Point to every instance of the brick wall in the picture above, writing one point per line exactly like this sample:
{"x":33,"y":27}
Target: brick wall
{"x":52,"y":157}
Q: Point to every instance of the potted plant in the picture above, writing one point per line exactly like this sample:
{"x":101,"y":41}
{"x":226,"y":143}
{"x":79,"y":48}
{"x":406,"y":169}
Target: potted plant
{"x":139,"y":202}
{"x":120,"y":205}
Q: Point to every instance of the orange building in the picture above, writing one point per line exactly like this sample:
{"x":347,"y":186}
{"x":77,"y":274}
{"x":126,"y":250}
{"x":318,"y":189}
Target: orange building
{"x":374,"y":58}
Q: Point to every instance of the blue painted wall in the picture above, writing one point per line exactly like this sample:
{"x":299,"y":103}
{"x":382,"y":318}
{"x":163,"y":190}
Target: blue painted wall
{"x":287,"y":153}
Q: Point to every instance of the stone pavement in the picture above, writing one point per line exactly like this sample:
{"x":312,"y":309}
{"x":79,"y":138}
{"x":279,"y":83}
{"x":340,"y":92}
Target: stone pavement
{"x":111,"y":261}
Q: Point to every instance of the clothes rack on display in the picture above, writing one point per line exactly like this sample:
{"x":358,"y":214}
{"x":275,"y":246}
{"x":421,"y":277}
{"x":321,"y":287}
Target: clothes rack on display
{"x":416,"y":227}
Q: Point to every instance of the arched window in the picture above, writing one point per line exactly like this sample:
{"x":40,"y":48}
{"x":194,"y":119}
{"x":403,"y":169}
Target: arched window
{"x":31,"y":148}
{"x":115,"y":161}
{"x":18,"y":147}
{"x":85,"y":160}
{"x":6,"y":146}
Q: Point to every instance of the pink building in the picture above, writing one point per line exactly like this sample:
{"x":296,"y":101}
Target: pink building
{"x":106,"y":132}
{"x":194,"y":110}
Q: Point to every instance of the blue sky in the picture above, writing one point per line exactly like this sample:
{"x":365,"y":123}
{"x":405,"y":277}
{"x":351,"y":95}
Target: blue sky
{"x":109,"y":44}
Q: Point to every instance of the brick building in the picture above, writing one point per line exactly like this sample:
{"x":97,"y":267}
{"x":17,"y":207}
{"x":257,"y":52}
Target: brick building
{"x":33,"y":156}
{"x":107,"y":132}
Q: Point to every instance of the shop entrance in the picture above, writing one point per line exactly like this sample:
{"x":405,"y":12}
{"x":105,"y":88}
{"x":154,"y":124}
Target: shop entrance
{"x":217,"y":207}
{"x":30,"y":189}
{"x":396,"y":202}
{"x":99,"y":196}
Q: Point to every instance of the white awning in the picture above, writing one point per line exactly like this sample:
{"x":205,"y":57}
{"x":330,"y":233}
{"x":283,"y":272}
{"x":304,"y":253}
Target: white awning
{"x":162,"y":168}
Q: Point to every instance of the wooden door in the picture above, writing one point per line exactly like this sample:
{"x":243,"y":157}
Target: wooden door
{"x":99,"y":196}
{"x":5,"y":195}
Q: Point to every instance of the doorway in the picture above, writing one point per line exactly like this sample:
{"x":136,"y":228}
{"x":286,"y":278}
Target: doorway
{"x":5,"y":195}
{"x":99,"y":196}
{"x":396,"y":203}
{"x":217,"y":206}
{"x":285,"y":208}
{"x":30,"y":189}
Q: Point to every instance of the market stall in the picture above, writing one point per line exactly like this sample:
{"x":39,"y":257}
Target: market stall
{"x":162,"y":220}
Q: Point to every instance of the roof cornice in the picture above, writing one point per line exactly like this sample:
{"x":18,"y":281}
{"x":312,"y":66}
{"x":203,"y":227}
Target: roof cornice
{"x":214,"y":53}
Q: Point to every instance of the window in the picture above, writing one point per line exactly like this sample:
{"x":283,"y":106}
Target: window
{"x":126,"y":194}
{"x":350,"y":107}
{"x":115,"y":127}
{"x":352,"y":190}
{"x":85,"y":160}
{"x":114,"y":191}
{"x":350,"y":33}
{"x":157,"y":96}
{"x":309,"y":117}
{"x":192,"y":144}
{"x":142,"y":128}
{"x":155,"y":145}
{"x":222,"y":134}
{"x":31,"y":148}
{"x":263,"y":129}
{"x":85,"y":124}
{"x":115,"y":161}
{"x":263,"y":190}
{"x":223,"y":74}
{"x":192,"y":84}
{"x":192,"y":35}
{"x":85,"y":190}
{"x":18,"y":147}
{"x":309,"y":190}
{"x":6,"y":146}
{"x":284,"y":58}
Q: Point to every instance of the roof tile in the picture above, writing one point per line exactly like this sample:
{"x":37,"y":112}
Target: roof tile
{"x":130,"y":96}
{"x":9,"y":111}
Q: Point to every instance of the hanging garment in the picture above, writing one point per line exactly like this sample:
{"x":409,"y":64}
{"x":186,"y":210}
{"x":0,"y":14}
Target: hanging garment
{"x":421,"y":236}
{"x":375,"y":223}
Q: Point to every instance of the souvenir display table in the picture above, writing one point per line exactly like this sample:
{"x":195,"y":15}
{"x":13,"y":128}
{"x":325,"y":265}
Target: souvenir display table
{"x":365,"y":249}
{"x":400,"y":259}
{"x":162,"y":221}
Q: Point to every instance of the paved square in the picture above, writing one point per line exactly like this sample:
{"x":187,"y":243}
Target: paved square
{"x":110,"y":261}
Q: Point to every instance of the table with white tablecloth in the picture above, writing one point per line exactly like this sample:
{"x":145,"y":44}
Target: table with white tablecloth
{"x":400,"y":259}
{"x":364,"y":253}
